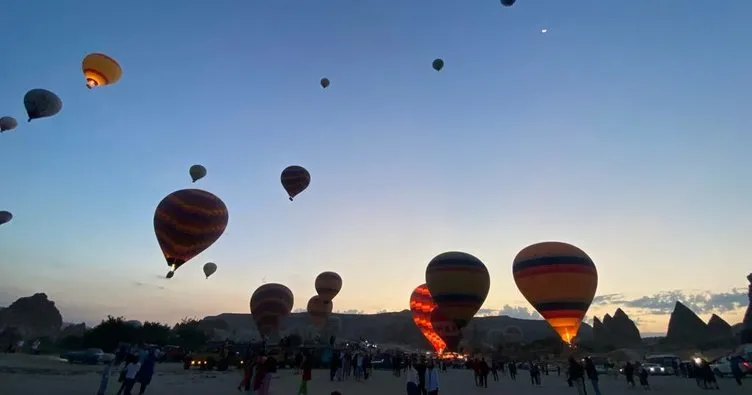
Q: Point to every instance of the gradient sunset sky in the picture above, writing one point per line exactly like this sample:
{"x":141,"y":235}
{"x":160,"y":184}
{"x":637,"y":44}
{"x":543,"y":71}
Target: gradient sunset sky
{"x":625,"y":130}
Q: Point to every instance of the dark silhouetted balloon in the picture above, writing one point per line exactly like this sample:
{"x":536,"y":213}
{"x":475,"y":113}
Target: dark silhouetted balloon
{"x":186,"y":223}
{"x":446,"y":329}
{"x":319,"y":310}
{"x":41,"y":103}
{"x":270,"y":304}
{"x":7,"y":123}
{"x":295,"y":179}
{"x":325,"y":82}
{"x":197,"y":172}
{"x":328,"y":285}
{"x":421,"y":305}
{"x":5,"y":217}
{"x":459,"y":283}
{"x":559,"y":280}
{"x":508,"y":3}
{"x":437,"y":64}
{"x":209,"y":269}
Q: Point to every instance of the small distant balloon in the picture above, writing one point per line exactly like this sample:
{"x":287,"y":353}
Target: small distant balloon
{"x":5,"y":217}
{"x":325,"y":82}
{"x":508,"y":3}
{"x":100,"y":70}
{"x":209,"y":269}
{"x":437,"y":64}
{"x":544,"y":30}
{"x":41,"y":103}
{"x":7,"y":123}
{"x":197,"y":172}
{"x":295,"y":179}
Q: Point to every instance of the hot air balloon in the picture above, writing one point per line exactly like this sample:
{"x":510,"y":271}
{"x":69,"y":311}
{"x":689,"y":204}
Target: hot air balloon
{"x":270,"y":304}
{"x":41,"y":103}
{"x":325,"y":82}
{"x":421,"y":305}
{"x":559,"y":280}
{"x":328,"y":285}
{"x":7,"y":123}
{"x":446,"y":329}
{"x":508,"y":3}
{"x":319,"y":310}
{"x":197,"y":172}
{"x":100,"y":70}
{"x":5,"y":217}
{"x":295,"y":179}
{"x":186,"y":223}
{"x":459,"y":283}
{"x":209,"y":269}
{"x":437,"y":64}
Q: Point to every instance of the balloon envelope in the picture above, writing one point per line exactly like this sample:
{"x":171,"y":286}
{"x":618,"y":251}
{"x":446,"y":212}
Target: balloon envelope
{"x":459,"y":283}
{"x":209,"y":268}
{"x":197,"y":172}
{"x":328,"y":285}
{"x":5,"y":217}
{"x":41,"y":103}
{"x":508,"y":3}
{"x":7,"y":123}
{"x":446,"y":329}
{"x":187,"y":222}
{"x":559,"y":280}
{"x":270,"y":304}
{"x":295,"y":179}
{"x":325,"y":82}
{"x":319,"y":310}
{"x":421,"y":305}
{"x":437,"y":64}
{"x":100,"y":70}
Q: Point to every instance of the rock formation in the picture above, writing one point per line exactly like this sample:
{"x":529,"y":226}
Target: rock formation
{"x":33,"y":317}
{"x":746,"y":332}
{"x":617,"y":331}
{"x":685,"y":328}
{"x":718,"y":330}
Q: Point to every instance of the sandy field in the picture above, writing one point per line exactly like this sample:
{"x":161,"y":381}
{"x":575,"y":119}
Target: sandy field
{"x":40,"y":375}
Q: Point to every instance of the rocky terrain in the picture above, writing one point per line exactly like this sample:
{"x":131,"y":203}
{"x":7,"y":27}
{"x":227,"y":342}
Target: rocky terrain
{"x":31,"y":317}
{"x":617,"y":331}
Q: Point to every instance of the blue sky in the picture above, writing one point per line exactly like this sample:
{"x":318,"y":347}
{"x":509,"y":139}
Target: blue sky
{"x":624,"y":129}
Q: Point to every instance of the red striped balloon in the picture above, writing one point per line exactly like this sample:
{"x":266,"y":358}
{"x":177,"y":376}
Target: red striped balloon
{"x":421,"y":305}
{"x":446,"y":328}
{"x":295,"y":179}
{"x":186,"y":223}
{"x":270,"y":304}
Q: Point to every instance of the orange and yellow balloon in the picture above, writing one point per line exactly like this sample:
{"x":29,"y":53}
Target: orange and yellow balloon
{"x":100,"y":70}
{"x":421,"y":305}
{"x":559,"y":280}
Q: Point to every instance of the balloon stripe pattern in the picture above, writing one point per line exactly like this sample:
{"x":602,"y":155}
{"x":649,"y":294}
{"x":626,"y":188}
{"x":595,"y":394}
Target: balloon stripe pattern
{"x":559,"y":280}
{"x":187,"y":222}
{"x":270,"y":304}
{"x":421,"y":305}
{"x":319,"y":310}
{"x":295,"y":179}
{"x":459,"y":283}
{"x":446,"y":329}
{"x":328,"y":285}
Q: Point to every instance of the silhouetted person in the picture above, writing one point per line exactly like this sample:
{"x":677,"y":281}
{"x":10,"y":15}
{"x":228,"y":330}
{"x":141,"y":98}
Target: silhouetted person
{"x":576,"y":376}
{"x":592,"y":375}
{"x":629,"y":374}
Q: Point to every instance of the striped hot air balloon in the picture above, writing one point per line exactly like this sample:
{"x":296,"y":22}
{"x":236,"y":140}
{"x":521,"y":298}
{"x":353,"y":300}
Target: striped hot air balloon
{"x":446,"y":329}
{"x":559,"y":280}
{"x":186,"y":223}
{"x":319,"y":310}
{"x":270,"y":304}
{"x":295,"y":179}
{"x":459,"y":283}
{"x":328,"y":285}
{"x":421,"y":305}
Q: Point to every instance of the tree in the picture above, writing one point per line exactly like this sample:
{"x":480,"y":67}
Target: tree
{"x":188,"y":334}
{"x":111,"y":332}
{"x":155,"y":333}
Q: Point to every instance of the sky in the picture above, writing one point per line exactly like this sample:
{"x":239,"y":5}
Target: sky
{"x":624,"y":129}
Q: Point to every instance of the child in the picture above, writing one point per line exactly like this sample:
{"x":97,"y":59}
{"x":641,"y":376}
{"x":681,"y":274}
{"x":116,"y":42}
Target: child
{"x":644,"y":378}
{"x":131,"y":370}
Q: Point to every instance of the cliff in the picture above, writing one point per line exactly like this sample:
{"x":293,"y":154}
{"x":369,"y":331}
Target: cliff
{"x":685,"y":328}
{"x":32,"y":317}
{"x":617,"y":331}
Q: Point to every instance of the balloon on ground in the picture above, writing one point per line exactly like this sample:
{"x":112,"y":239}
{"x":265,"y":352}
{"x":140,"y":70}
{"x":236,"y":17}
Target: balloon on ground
{"x":319,"y":310}
{"x":421,"y":305}
{"x":328,"y":285}
{"x":295,"y":179}
{"x":41,"y":103}
{"x":459,"y":283}
{"x":197,"y":172}
{"x":209,"y":269}
{"x":100,"y":70}
{"x":7,"y":123}
{"x":270,"y":304}
{"x":446,"y":329}
{"x":187,"y":222}
{"x":559,"y":280}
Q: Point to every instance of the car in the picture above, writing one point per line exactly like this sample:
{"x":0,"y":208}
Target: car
{"x":91,"y":356}
{"x":655,"y":369}
{"x":722,"y":366}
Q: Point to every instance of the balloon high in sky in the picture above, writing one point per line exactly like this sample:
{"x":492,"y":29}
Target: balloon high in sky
{"x":41,"y":103}
{"x":7,"y":123}
{"x":100,"y":70}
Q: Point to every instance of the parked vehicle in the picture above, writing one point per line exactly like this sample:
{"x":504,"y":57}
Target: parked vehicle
{"x":90,"y":356}
{"x":655,"y":369}
{"x":722,"y":366}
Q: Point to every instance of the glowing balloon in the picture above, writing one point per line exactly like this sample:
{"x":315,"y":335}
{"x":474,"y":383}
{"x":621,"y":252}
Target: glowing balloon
{"x":5,"y":217}
{"x":559,"y":280}
{"x":7,"y":123}
{"x":41,"y":103}
{"x":328,"y":285}
{"x":209,"y":269}
{"x":459,"y":283}
{"x":295,"y":179}
{"x":446,"y":329}
{"x":508,"y":3}
{"x":325,"y":82}
{"x":186,"y":223}
{"x":319,"y":310}
{"x":437,"y":64}
{"x":197,"y":172}
{"x":270,"y":304}
{"x":100,"y":70}
{"x":421,"y":305}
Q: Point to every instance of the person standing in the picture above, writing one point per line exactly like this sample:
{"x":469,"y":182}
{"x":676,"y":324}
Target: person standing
{"x":629,"y":374}
{"x":412,"y":386}
{"x":306,"y":366}
{"x":147,"y":371}
{"x":592,"y":375}
{"x":484,"y":370}
{"x":576,"y":376}
{"x":420,"y":370}
{"x":432,"y":379}
{"x":270,"y":367}
{"x":131,"y":370}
